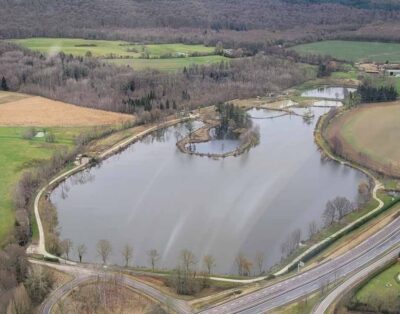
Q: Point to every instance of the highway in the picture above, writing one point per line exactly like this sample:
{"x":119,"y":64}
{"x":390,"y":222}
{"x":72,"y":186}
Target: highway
{"x":324,"y":305}
{"x":359,"y":260}
{"x":314,"y":279}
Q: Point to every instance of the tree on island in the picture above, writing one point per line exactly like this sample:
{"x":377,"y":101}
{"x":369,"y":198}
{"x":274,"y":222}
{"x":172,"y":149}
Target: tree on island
{"x":231,"y":119}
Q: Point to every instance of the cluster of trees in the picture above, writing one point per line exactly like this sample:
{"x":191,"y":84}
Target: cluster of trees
{"x":106,"y":296}
{"x":326,"y":68}
{"x":22,"y":287}
{"x":25,"y":191}
{"x":335,"y":211}
{"x":370,"y":93}
{"x":64,"y":17}
{"x":231,"y":118}
{"x":85,"y":81}
{"x":388,"y":302}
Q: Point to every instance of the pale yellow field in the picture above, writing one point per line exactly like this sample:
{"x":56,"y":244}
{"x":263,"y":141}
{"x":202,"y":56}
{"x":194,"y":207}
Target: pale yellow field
{"x":370,"y":136}
{"x":25,"y":110}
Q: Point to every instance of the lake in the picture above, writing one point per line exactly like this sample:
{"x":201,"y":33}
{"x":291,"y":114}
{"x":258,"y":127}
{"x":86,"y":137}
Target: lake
{"x":153,"y":196}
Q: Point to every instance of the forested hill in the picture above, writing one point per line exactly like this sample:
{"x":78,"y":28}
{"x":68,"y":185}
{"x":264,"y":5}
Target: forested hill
{"x":21,"y":18}
{"x":362,"y":4}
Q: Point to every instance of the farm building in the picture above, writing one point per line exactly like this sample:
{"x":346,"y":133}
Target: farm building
{"x":392,"y":72}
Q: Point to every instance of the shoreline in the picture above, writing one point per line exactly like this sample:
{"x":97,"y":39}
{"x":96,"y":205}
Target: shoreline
{"x":40,"y":248}
{"x":202,"y":135}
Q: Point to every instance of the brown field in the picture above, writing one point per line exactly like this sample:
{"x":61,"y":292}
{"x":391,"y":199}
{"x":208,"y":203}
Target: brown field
{"x":25,"y":110}
{"x":369,"y":135}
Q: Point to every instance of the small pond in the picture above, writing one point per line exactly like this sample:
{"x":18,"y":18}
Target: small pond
{"x":214,"y":145}
{"x":328,"y":92}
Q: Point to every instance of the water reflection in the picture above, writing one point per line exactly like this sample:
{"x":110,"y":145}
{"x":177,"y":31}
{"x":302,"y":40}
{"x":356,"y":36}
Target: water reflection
{"x":155,"y":197}
{"x":328,"y":92}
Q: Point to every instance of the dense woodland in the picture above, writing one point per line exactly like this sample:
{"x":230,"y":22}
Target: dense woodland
{"x":92,"y":83}
{"x":370,"y":93}
{"x":233,"y":22}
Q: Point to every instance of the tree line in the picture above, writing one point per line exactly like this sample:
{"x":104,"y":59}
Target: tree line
{"x":369,"y":93}
{"x":38,"y":18}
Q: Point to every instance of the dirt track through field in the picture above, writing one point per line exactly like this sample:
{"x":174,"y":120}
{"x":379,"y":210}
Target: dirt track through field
{"x":39,"y":111}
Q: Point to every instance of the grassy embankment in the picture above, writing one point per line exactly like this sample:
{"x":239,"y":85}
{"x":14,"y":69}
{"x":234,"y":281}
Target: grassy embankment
{"x":19,"y":154}
{"x":164,"y":57}
{"x":383,"y":284}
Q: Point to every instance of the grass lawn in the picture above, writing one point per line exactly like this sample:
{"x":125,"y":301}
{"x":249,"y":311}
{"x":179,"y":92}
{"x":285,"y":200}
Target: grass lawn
{"x":381,"y":285}
{"x":18,"y":155}
{"x":178,"y":55}
{"x":353,"y":50}
{"x":171,"y":64}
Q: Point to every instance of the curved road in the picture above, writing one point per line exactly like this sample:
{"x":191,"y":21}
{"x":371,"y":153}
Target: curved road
{"x":359,"y":260}
{"x":83,"y":275}
{"x":314,"y":279}
{"x":330,"y":299}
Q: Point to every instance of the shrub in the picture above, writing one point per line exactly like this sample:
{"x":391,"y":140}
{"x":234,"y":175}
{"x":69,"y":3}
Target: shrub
{"x":50,"y":137}
{"x":29,"y":133}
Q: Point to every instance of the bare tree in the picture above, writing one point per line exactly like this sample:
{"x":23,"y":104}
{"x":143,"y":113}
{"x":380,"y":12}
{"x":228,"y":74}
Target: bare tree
{"x":376,"y":302}
{"x":20,"y":303}
{"x":329,"y":214}
{"x":363,"y":193}
{"x":260,"y":257}
{"x":81,"y":250}
{"x":154,"y":256}
{"x":343,"y":206}
{"x":104,"y":250}
{"x":312,"y":228}
{"x":337,"y":209}
{"x":127,"y":253}
{"x":38,"y":283}
{"x":209,"y":262}
{"x":291,"y":243}
{"x":66,"y":246}
{"x":323,"y":286}
{"x":188,"y":260}
{"x":244,"y":264}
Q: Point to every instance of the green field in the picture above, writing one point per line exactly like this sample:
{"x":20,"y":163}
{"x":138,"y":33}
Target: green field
{"x":353,"y":50}
{"x":18,"y":155}
{"x":167,"y":64}
{"x":166,"y":57}
{"x":381,"y":285}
